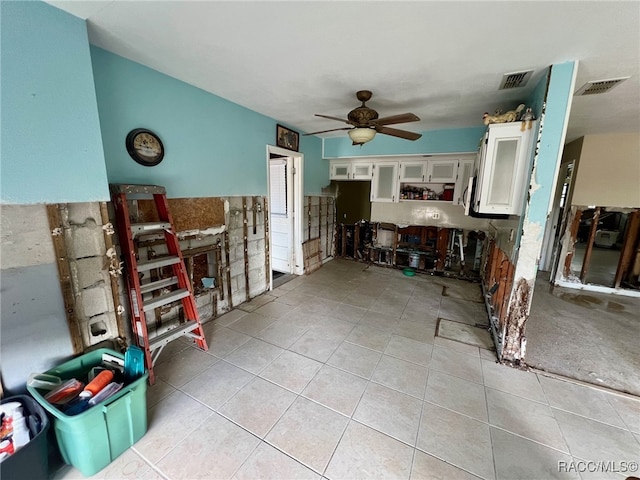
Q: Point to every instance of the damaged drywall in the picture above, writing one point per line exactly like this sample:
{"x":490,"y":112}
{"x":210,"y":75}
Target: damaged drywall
{"x":544,"y":171}
{"x":514,"y":338}
{"x":33,"y":332}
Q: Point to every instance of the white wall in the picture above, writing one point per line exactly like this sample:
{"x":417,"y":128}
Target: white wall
{"x":608,"y":172}
{"x":451,"y":216}
{"x":421,"y":213}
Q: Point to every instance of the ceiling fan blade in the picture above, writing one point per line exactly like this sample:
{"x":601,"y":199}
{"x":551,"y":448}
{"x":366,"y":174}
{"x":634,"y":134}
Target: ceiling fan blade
{"x":333,"y":118}
{"x":325,"y":131}
{"x":401,"y":118}
{"x":394,"y":132}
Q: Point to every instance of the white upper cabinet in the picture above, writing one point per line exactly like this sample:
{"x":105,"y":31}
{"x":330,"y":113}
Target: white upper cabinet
{"x":361,"y":171}
{"x":503,"y":169}
{"x":385,"y":182}
{"x":442,"y":171}
{"x":413,"y":171}
{"x":340,"y":170}
{"x":351,"y":170}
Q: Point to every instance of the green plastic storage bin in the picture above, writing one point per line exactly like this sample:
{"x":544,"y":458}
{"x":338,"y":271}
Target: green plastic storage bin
{"x":94,"y":438}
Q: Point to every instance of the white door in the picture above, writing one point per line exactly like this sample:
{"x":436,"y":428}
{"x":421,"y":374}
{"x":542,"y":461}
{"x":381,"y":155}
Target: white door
{"x":281,"y":212}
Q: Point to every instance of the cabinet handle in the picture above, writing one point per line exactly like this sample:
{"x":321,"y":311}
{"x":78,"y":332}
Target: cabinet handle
{"x":429,"y":177}
{"x":423,"y":178}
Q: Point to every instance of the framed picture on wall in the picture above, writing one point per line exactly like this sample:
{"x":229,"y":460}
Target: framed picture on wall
{"x":286,"y":138}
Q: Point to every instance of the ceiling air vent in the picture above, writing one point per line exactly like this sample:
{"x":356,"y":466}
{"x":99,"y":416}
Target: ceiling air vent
{"x":515,"y":80}
{"x":595,"y":87}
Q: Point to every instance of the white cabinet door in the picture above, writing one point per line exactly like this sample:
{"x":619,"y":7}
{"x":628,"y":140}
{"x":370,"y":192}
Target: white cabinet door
{"x":442,"y":171}
{"x":347,"y":170}
{"x":505,"y":164}
{"x":385,"y":182}
{"x":413,"y":171}
{"x":361,"y":170}
{"x":340,"y":171}
{"x":465,"y":170}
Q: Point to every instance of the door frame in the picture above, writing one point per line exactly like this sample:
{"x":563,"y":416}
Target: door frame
{"x":297,"y":260}
{"x":552,"y":237}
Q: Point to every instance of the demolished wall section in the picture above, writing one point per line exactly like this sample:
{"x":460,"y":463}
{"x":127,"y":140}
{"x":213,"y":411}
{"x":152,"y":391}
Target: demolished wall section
{"x":87,"y":254}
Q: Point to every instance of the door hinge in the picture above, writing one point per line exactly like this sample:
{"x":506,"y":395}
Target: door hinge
{"x":293,"y":170}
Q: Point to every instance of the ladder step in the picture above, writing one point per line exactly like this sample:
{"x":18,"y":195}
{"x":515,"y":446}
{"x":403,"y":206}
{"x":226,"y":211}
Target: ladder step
{"x":166,"y":337}
{"x":158,"y":262}
{"x":158,"y":284}
{"x":149,"y":228}
{"x":166,"y":299}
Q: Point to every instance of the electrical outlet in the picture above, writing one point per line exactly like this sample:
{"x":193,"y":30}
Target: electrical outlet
{"x":435,"y":215}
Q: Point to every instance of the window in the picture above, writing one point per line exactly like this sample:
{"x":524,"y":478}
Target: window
{"x":278,"y":186}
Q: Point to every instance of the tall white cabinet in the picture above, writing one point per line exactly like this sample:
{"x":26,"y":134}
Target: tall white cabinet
{"x":385,"y":182}
{"x":503,"y":169}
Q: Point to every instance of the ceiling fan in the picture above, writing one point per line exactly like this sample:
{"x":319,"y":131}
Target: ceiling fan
{"x":365,"y":123}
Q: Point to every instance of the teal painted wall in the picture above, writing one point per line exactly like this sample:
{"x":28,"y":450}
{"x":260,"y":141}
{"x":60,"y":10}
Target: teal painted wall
{"x":316,"y":170}
{"x":551,"y":141}
{"x":213,"y":147}
{"x":536,"y":100}
{"x":51,"y":145}
{"x":454,"y":140}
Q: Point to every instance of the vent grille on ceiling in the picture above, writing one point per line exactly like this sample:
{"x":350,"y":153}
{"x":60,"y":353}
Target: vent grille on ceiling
{"x":515,"y":80}
{"x":595,"y":87}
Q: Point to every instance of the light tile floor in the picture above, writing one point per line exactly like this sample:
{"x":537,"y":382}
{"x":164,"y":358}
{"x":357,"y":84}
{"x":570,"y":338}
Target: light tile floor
{"x":338,"y":375}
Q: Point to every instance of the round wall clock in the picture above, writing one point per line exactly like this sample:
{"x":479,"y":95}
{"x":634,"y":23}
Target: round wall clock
{"x":145,"y":147}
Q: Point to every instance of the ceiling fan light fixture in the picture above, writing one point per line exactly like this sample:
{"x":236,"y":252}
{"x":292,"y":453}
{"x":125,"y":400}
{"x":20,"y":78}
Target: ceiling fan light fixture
{"x":360,"y":135}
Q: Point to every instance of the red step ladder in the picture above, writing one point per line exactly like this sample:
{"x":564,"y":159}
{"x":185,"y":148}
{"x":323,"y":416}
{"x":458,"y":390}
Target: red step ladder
{"x":141,"y":297}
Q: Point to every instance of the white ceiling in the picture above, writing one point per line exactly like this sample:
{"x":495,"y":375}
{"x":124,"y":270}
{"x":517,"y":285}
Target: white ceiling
{"x":442,"y":61}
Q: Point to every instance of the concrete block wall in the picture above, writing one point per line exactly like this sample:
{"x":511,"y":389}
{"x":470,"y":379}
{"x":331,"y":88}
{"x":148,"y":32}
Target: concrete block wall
{"x":33,"y":312}
{"x":211,"y":303}
{"x":319,"y":221}
{"x":34,"y":332}
{"x":256,"y":254}
{"x":85,"y":242}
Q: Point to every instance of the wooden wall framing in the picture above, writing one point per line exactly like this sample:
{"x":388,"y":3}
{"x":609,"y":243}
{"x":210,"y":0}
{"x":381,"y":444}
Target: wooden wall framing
{"x":64,"y":275}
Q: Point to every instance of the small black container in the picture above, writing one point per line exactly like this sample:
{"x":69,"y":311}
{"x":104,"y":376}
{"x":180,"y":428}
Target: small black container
{"x":32,"y":460}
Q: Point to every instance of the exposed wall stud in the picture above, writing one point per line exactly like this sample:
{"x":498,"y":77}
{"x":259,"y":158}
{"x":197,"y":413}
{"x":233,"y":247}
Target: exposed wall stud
{"x":228,"y":267}
{"x":630,"y":249}
{"x":245,"y":236}
{"x":219,"y":284}
{"x":254,"y":208}
{"x":592,"y":237}
{"x":267,"y":242}
{"x":308,"y":210}
{"x":327,"y":241}
{"x":109,"y":244}
{"x":64,"y":273}
{"x":395,"y":245}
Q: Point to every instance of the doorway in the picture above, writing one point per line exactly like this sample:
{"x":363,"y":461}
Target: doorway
{"x":284,"y":178}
